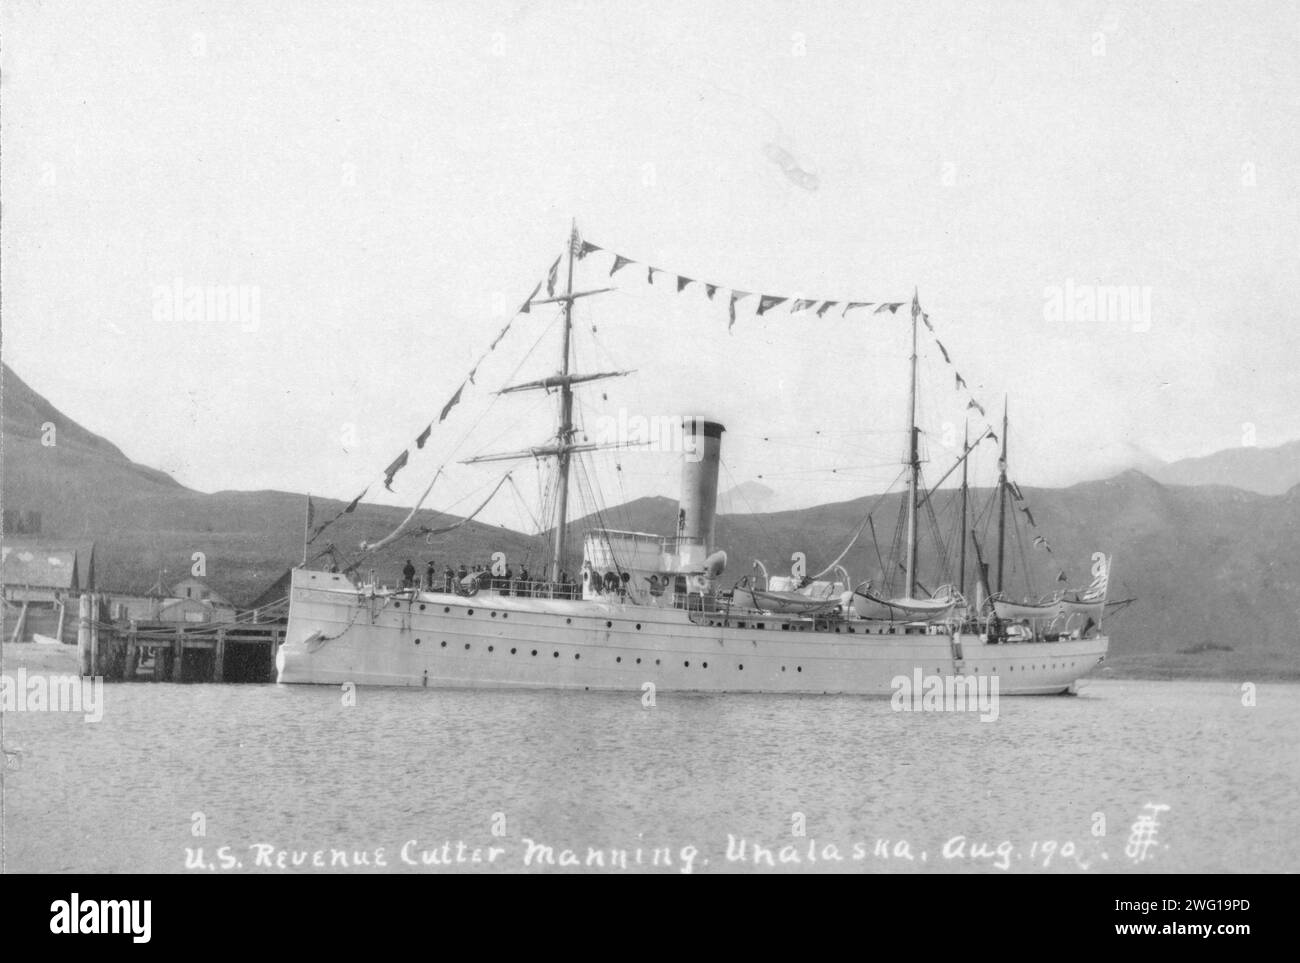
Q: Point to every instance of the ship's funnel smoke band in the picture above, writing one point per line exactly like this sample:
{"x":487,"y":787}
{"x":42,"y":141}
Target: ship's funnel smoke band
{"x":699,"y":499}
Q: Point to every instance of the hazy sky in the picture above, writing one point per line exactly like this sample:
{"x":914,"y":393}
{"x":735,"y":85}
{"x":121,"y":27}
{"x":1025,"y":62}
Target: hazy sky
{"x":390,"y":180}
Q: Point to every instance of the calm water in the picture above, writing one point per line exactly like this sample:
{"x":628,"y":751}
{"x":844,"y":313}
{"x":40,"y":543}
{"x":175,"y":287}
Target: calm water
{"x":294,"y":769}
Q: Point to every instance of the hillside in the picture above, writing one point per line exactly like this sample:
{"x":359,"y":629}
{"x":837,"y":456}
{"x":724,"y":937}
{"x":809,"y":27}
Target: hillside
{"x":145,"y":523}
{"x":1269,"y":471}
{"x":1212,"y":566}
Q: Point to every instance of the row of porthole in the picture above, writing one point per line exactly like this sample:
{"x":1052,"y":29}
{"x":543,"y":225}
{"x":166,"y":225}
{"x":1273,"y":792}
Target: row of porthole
{"x":578,"y":655}
{"x":506,"y":615}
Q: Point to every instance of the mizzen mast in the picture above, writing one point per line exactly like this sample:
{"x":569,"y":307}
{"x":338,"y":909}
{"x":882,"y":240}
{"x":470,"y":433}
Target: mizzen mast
{"x":965,"y":490}
{"x":1002,"y":496}
{"x":914,"y":465}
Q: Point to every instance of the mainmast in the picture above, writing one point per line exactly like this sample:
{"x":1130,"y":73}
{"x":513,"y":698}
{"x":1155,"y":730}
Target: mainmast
{"x":965,"y":446}
{"x":564,"y":435}
{"x":1002,"y":495}
{"x":914,"y":466}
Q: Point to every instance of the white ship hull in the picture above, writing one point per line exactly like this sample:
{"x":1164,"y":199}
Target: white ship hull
{"x":338,"y":634}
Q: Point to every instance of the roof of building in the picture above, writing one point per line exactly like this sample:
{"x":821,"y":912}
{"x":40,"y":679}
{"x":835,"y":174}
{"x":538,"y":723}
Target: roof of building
{"x":45,"y":564}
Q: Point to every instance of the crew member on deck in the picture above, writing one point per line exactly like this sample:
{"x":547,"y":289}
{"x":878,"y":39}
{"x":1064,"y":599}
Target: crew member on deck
{"x":408,"y":574}
{"x":430,"y":573}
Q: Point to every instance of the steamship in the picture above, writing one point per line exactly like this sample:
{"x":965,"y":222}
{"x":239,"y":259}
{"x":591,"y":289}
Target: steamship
{"x":659,"y":609}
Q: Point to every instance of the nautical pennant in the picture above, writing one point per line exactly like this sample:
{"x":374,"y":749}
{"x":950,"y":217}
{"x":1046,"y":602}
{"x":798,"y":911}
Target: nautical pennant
{"x":766,"y":301}
{"x":650,"y":274}
{"x":925,"y":318}
{"x":620,"y":262}
{"x":961,"y":382}
{"x":800,"y":305}
{"x":946,"y":359}
{"x":891,"y":308}
{"x":347,"y":511}
{"x":455,"y":400}
{"x":854,"y":304}
{"x":735,"y":296}
{"x":1029,"y":515}
{"x":710,"y":290}
{"x":551,"y":277}
{"x":528,"y":305}
{"x":398,"y":464}
{"x":826,"y":304}
{"x":424,"y":435}
{"x":976,"y":405}
{"x":585,"y":249}
{"x":682,"y":282}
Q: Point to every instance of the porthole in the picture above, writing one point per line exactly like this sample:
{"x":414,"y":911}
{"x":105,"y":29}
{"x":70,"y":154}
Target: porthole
{"x":609,"y":624}
{"x":687,"y":664}
{"x":638,"y":626}
{"x":494,"y":615}
{"x":638,"y":661}
{"x":555,"y":655}
{"x":491,"y":649}
{"x":505,"y":615}
{"x":470,"y":612}
{"x":706,"y":665}
{"x":534,"y":651}
{"x":466,"y":646}
{"x":798,"y":668}
{"x":618,"y":658}
{"x":742,"y":668}
{"x":421,"y":606}
{"x":513,"y":651}
{"x":656,"y":661}
{"x":782,"y":668}
{"x":568,"y":621}
{"x":417,"y":641}
{"x":444,"y":643}
{"x":446,"y":608}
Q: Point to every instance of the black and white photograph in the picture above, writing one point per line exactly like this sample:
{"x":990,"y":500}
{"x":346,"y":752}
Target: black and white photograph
{"x":553,"y":437}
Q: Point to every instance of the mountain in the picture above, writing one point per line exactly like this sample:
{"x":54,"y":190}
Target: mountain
{"x":1269,"y":471}
{"x":144,"y":523}
{"x":747,"y":498}
{"x":1215,"y":569}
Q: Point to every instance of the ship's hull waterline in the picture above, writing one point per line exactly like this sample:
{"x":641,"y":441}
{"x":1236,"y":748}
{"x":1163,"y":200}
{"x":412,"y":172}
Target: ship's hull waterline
{"x":338,"y":635}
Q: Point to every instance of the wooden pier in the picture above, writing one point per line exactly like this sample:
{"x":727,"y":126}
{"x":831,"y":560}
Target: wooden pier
{"x":239,"y":651}
{"x":217,"y":652}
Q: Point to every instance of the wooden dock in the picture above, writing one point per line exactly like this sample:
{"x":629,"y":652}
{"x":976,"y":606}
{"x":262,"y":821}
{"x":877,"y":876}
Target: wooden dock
{"x":214,"y":652}
{"x":239,"y":651}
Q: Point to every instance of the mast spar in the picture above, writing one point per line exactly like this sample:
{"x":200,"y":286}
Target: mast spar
{"x":563,"y":436}
{"x":914,"y":464}
{"x":1002,"y":495}
{"x":965,"y":444}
